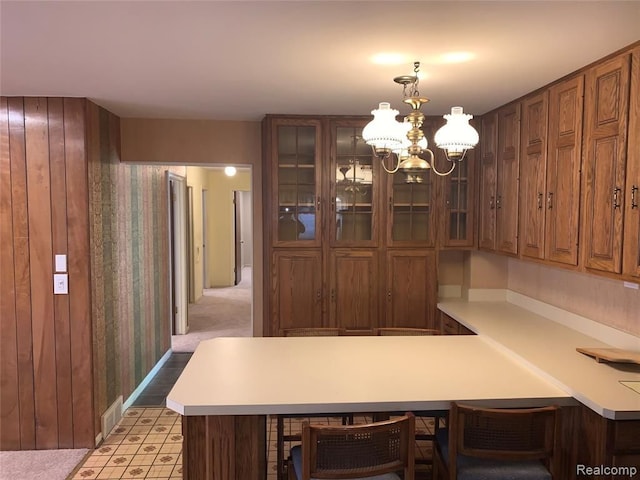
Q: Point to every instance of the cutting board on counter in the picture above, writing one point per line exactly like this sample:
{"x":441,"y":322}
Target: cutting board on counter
{"x":612,"y":355}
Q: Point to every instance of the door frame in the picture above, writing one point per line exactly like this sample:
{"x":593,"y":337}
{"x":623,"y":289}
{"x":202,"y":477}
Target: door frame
{"x":176,"y":186}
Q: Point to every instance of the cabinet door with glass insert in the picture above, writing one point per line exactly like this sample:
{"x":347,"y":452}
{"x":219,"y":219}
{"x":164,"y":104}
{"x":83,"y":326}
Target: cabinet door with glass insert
{"x":296,"y":182}
{"x":354,"y":186}
{"x":409,"y":203}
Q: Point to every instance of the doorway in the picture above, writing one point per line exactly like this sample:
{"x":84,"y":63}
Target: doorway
{"x":221,"y":264}
{"x":178,"y":265}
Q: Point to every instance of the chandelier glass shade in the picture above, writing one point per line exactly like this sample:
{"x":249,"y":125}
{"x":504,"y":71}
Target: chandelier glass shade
{"x":403,"y":143}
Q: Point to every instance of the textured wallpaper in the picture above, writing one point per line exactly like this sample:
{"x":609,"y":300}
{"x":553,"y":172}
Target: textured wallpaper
{"x":129,"y":263}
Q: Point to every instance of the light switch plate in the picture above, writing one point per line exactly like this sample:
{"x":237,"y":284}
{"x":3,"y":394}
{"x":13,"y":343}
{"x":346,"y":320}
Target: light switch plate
{"x":60,"y":284}
{"x":61,"y":263}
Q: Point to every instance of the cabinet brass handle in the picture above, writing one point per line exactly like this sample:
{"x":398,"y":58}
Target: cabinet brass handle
{"x":333,"y":204}
{"x":318,"y":294}
{"x":634,"y":202}
{"x":499,"y":201}
{"x":318,"y":203}
{"x":539,"y":201}
{"x":550,"y":200}
{"x":616,"y":203}
{"x":389,"y":295}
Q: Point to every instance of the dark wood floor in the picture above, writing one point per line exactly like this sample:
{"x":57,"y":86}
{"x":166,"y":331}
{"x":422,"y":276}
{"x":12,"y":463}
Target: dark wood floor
{"x":155,"y":395}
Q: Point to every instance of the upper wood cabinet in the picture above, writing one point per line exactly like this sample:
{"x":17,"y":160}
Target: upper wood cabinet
{"x":508,"y":163}
{"x":550,"y":173}
{"x":631,"y":249}
{"x":563,"y":171}
{"x":296,"y":183}
{"x":487,"y":180}
{"x":533,"y":171}
{"x":499,"y":170}
{"x":333,"y":213}
{"x":605,"y":159}
{"x":354,"y":187}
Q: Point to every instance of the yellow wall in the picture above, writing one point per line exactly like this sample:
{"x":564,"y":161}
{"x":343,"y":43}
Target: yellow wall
{"x":220,"y":235}
{"x":197,"y":179}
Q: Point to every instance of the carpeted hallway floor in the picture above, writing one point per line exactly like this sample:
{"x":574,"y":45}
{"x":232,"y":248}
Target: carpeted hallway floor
{"x":220,"y":312}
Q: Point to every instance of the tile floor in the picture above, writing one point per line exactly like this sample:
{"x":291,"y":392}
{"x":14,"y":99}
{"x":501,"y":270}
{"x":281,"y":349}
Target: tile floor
{"x":147,"y":442}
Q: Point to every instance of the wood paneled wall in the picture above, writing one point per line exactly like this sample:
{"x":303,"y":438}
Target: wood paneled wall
{"x":45,"y":356}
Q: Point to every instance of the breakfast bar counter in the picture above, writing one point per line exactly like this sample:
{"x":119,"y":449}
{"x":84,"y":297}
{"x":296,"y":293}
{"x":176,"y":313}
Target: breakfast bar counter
{"x":231,"y":384}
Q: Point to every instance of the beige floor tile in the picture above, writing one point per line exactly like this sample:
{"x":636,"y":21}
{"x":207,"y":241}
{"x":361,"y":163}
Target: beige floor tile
{"x":160,"y":471}
{"x":174,"y":448}
{"x":97,"y":461}
{"x":111,"y":473}
{"x":87,"y":473}
{"x":149,"y":448}
{"x":119,"y":461}
{"x":127,"y":449}
{"x":114,"y":439}
{"x":141,"y":459}
{"x":136,"y":471}
{"x":105,"y":450}
{"x":155,"y":438}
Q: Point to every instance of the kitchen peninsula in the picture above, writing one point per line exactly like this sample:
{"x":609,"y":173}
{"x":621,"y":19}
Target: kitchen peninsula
{"x":231,"y":384}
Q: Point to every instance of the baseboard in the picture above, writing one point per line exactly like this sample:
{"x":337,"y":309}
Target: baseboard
{"x":136,"y":393}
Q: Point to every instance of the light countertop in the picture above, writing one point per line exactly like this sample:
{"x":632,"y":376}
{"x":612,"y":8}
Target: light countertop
{"x":271,"y":375}
{"x":549,"y":349}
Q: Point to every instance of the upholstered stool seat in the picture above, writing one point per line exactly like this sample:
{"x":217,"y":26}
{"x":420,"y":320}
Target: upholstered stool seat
{"x":474,"y":468}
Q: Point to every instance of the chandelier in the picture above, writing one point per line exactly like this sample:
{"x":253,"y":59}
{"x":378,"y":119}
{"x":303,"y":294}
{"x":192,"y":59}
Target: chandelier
{"x":404,"y":142}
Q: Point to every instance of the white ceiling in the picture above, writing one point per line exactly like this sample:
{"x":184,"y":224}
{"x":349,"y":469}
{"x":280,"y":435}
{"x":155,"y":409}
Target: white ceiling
{"x":238,"y":60}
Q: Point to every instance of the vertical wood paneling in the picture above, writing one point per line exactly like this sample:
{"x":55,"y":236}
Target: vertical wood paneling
{"x":45,"y":337}
{"x":79,"y":271}
{"x":9,"y":398}
{"x":59,"y":244}
{"x":17,"y":151}
{"x":40,"y":255}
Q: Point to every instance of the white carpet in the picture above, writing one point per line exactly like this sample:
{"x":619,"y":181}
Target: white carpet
{"x":40,"y":464}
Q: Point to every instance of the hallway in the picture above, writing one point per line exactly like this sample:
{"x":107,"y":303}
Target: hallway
{"x":220,"y":312}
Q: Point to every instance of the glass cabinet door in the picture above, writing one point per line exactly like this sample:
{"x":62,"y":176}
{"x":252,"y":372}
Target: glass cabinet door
{"x":458,"y":229}
{"x":410,"y":208}
{"x":297,"y":182}
{"x":353,"y":186}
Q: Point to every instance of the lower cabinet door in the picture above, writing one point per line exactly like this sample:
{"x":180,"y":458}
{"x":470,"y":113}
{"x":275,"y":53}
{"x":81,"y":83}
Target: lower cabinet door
{"x":296,"y":289}
{"x":411,"y":289}
{"x":353,"y":289}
